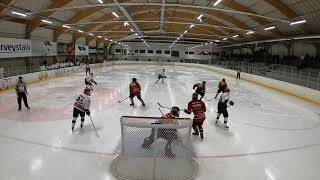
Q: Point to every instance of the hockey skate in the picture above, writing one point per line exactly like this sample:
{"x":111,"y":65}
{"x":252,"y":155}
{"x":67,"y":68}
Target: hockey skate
{"x":225,"y":126}
{"x":132,"y":104}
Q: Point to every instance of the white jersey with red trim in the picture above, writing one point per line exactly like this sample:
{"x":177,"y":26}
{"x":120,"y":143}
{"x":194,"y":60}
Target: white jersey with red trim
{"x":82,"y":102}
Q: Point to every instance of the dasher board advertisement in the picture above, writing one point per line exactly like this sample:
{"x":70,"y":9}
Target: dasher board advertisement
{"x":81,"y":50}
{"x":44,"y":48}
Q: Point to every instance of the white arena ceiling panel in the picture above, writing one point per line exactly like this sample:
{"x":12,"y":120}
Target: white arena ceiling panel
{"x":63,"y":15}
{"x":77,"y":3}
{"x":31,"y":5}
{"x":306,"y":7}
{"x":246,"y":3}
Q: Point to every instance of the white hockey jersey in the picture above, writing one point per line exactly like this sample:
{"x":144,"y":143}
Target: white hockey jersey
{"x":82,"y":102}
{"x":89,"y":79}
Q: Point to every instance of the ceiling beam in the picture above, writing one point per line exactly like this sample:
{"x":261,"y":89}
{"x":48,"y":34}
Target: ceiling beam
{"x":127,"y":15}
{"x":282,"y":8}
{"x":4,"y":4}
{"x":35,"y":22}
{"x":163,"y":8}
{"x":77,"y":18}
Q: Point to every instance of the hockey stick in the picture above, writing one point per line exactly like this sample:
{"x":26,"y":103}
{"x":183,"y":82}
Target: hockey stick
{"x":208,"y":99}
{"x":161,"y":111}
{"x":123,"y":100}
{"x":102,"y":87}
{"x":94,"y":127}
{"x":163,"y":106}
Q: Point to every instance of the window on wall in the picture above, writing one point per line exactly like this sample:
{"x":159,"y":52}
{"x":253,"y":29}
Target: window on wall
{"x":150,"y":51}
{"x":186,"y":52}
{"x":158,"y":52}
{"x":118,"y":50}
{"x":191,"y":53}
{"x":142,"y":51}
{"x":136,"y":51}
{"x":175,"y":53}
{"x":166,"y":52}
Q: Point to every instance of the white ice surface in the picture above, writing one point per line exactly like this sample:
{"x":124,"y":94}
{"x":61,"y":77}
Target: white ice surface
{"x":272,"y":135}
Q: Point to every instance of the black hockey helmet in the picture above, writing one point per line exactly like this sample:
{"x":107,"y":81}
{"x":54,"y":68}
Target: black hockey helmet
{"x":134,"y":79}
{"x":195,"y":96}
{"x":175,"y":111}
{"x":224,"y":80}
{"x":204,"y":82}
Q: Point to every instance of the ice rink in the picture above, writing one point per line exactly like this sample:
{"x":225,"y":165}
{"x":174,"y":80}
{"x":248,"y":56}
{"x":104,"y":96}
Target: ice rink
{"x":272,"y":136}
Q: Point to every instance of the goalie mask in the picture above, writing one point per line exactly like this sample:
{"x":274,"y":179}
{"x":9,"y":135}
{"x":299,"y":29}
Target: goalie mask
{"x":175,"y":111}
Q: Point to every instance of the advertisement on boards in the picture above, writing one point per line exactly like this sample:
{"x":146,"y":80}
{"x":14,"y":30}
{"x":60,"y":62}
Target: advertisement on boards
{"x":81,"y":50}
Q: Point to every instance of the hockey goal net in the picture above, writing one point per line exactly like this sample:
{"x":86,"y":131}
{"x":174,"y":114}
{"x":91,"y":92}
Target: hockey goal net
{"x":155,"y":149}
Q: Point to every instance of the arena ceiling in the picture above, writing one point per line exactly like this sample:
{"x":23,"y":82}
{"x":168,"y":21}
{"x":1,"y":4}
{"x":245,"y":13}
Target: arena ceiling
{"x":220,"y":21}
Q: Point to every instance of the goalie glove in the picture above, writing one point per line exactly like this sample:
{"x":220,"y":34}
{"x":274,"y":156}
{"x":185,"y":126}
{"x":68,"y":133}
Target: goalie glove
{"x":186,"y":111}
{"x":95,"y":83}
{"x":231,"y":103}
{"x":88,"y":112}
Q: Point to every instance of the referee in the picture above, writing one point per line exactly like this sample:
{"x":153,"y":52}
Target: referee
{"x":21,"y":91}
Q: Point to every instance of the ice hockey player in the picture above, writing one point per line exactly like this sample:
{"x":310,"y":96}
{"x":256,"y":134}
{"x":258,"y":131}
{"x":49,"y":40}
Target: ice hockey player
{"x":198,"y":108}
{"x":222,"y":107}
{"x":201,"y":89}
{"x":89,"y":80}
{"x":167,"y":134}
{"x":238,"y":73}
{"x":87,"y":68}
{"x":135,"y":90}
{"x":81,"y":107}
{"x":161,"y":76}
{"x":21,"y":91}
{"x":221,"y":87}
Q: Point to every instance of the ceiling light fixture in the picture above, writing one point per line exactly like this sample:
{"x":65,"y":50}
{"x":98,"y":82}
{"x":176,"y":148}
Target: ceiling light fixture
{"x":217,"y":2}
{"x":80,"y":31}
{"x":191,"y":26}
{"x":100,"y":1}
{"x":235,"y":36}
{"x":19,"y":14}
{"x":46,"y":21}
{"x":115,"y":14}
{"x":65,"y":26}
{"x":225,"y":39}
{"x":269,"y":28}
{"x":298,"y":22}
{"x":250,"y":32}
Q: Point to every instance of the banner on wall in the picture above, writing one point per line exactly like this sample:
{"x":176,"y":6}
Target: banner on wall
{"x":92,"y":50}
{"x":10,"y":48}
{"x":81,"y":50}
{"x":44,"y":48}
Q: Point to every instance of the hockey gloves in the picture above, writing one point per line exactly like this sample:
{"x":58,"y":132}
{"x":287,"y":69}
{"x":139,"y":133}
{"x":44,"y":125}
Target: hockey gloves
{"x":88,"y":112}
{"x":231,"y":103}
{"x":186,"y":111}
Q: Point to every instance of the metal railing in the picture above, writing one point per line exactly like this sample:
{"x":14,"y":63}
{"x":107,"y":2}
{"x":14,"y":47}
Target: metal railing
{"x":307,"y":77}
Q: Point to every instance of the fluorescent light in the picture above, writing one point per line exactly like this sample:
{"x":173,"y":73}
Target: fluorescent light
{"x":126,"y":23}
{"x":217,"y":41}
{"x":131,"y":30}
{"x":211,"y":42}
{"x":235,"y":36}
{"x":80,"y":31}
{"x":217,"y":2}
{"x":99,"y":36}
{"x":106,"y":39}
{"x":110,"y":40}
{"x":250,"y":32}
{"x":181,"y":35}
{"x":298,"y":22}
{"x":65,"y":26}
{"x":225,"y":39}
{"x":200,"y":17}
{"x":46,"y":21}
{"x":115,"y":14}
{"x":191,"y":26}
{"x":19,"y":14}
{"x":185,"y":31}
{"x":91,"y":34}
{"x":100,"y":1}
{"x":269,"y":28}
